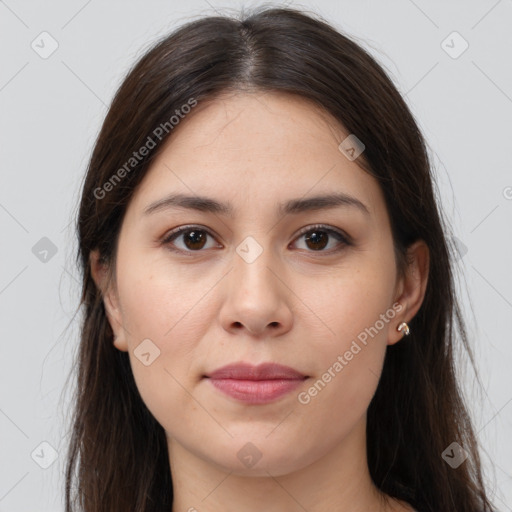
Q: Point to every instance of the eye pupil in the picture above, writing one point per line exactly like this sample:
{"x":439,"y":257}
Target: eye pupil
{"x":195,"y":237}
{"x":318,"y":237}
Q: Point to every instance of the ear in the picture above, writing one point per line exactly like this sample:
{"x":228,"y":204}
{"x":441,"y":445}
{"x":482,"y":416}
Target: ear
{"x":100,"y":275}
{"x":411,"y":287}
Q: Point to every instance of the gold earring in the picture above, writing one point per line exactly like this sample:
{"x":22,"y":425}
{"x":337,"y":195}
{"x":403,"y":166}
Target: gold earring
{"x":405,"y":328}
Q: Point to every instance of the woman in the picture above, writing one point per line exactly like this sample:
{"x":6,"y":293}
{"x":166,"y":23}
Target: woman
{"x":269,"y":308}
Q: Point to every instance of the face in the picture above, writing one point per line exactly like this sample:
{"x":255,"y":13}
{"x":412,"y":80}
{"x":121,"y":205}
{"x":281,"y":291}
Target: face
{"x":268,"y":277}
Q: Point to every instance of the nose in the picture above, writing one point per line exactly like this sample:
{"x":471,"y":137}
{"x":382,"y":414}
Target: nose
{"x":256,"y":298}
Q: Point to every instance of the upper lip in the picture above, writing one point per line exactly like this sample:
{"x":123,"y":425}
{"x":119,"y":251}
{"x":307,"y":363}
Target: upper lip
{"x":263,"y":371}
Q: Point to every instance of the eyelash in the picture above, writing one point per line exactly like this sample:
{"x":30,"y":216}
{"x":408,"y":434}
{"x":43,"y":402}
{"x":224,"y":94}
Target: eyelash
{"x":343,"y":238}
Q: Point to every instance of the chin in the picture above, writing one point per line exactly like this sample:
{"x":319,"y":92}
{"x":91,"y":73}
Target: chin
{"x":259,"y":458}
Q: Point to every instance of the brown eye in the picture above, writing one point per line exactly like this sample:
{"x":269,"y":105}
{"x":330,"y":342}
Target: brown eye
{"x":317,"y":238}
{"x":189,"y":239}
{"x":192,"y":239}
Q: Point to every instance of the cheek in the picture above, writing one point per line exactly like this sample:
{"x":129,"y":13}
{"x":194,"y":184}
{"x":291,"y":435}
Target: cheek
{"x":351,"y":300}
{"x":349,"y":346}
{"x":157,"y":296}
{"x":163,"y":316}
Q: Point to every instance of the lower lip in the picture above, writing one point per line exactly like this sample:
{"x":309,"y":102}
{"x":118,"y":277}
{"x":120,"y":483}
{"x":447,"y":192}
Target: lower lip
{"x":256,"y":391}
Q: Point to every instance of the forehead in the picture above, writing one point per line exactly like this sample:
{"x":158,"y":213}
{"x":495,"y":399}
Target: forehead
{"x":244,"y":146}
{"x":258,"y":121}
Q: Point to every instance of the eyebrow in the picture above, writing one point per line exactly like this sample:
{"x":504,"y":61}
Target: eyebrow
{"x":293,"y":206}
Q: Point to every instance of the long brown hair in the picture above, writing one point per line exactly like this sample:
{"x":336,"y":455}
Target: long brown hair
{"x":118,"y":451}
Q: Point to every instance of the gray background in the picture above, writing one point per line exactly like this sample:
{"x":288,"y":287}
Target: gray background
{"x":51,"y":110}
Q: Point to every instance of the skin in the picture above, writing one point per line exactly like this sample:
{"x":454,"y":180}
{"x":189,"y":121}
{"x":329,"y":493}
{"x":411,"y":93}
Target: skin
{"x":295,"y":304}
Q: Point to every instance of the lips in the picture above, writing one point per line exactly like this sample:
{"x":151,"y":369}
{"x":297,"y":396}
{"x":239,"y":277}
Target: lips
{"x":256,"y":384}
{"x":264,"y":371}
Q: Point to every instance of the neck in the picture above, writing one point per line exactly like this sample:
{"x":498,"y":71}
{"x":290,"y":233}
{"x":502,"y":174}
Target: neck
{"x":337,"y":480}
